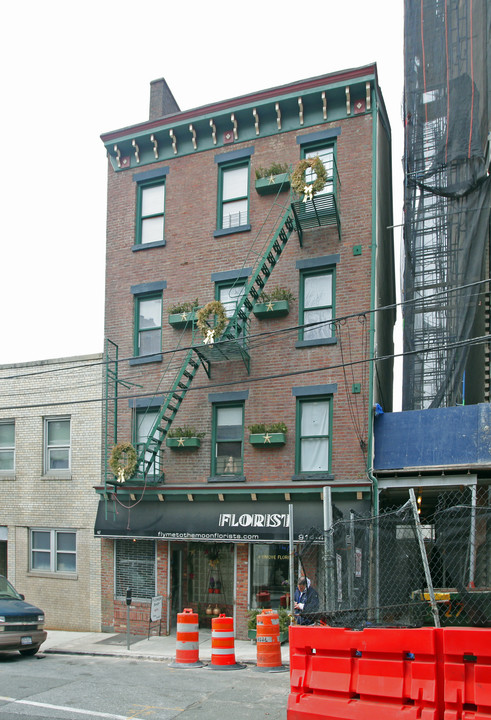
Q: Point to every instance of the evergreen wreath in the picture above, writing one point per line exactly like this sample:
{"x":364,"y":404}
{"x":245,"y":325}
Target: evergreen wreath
{"x":216,"y":308}
{"x":120,"y":471}
{"x":298,"y":183}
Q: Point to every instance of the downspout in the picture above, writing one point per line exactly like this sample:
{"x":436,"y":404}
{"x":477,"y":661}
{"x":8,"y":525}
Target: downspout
{"x":369,"y":460}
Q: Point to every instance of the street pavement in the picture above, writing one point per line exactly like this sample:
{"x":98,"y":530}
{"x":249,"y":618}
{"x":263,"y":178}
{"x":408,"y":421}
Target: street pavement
{"x":154,"y":648}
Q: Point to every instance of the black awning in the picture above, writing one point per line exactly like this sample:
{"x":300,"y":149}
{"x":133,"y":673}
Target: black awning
{"x":208,"y":521}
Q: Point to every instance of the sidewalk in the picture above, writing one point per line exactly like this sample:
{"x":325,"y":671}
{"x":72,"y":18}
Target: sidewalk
{"x":154,"y":648}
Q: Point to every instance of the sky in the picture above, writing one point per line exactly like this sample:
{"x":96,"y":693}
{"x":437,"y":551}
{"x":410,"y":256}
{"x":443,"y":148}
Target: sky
{"x":72,"y":71}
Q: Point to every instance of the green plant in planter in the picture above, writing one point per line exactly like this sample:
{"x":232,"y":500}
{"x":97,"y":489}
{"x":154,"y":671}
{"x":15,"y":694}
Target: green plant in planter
{"x":273,"y":169}
{"x":182,"y":307}
{"x":261,"y":428}
{"x":277,"y":293}
{"x":185,"y":431}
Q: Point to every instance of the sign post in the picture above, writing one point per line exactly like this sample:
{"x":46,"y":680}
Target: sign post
{"x":155,"y":612}
{"x":128,"y":603}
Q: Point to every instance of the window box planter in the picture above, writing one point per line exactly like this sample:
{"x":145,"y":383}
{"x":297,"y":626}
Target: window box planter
{"x":267,"y":439}
{"x":182,"y":443}
{"x":181,"y":320}
{"x":251,"y":634}
{"x":272,"y":309}
{"x":270,"y":185}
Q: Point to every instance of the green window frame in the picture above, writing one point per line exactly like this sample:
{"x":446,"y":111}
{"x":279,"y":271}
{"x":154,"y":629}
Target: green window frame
{"x":148,"y":324}
{"x":7,"y":446}
{"x":57,"y":444}
{"x":227,"y":439}
{"x":313,"y":435}
{"x":233,"y":195}
{"x":317,"y":305}
{"x":53,"y":550}
{"x":150,"y":213}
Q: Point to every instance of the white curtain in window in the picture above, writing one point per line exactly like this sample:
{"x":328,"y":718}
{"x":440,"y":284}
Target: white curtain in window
{"x":315,"y":436}
{"x":229,"y":297}
{"x":234,"y":183}
{"x":153,"y":200}
{"x":327,"y":157}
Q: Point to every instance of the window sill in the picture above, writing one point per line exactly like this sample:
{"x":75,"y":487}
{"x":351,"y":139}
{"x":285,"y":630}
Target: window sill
{"x":60,"y":475}
{"x":146,"y":359}
{"x":232,"y":231}
{"x":322,"y":476}
{"x":226,"y":478}
{"x":7,"y":475}
{"x":314,"y":343}
{"x":54,"y":575}
{"x":147,"y":246}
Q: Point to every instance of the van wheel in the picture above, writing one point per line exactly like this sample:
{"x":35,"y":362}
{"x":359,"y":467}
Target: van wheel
{"x":29,"y":651}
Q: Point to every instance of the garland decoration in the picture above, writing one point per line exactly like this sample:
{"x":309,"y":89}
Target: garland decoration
{"x":298,"y":177}
{"x":216,"y":308}
{"x":121,"y":452}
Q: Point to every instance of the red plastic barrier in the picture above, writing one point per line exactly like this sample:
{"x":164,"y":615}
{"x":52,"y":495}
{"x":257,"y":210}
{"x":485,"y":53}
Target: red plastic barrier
{"x":383,"y":673}
{"x":466,"y":656}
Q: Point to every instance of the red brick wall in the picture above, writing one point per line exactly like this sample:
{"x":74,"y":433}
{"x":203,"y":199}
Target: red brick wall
{"x":186,"y":263}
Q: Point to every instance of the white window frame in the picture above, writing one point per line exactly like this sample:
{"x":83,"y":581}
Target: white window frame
{"x":47,"y":448}
{"x":53,"y":550}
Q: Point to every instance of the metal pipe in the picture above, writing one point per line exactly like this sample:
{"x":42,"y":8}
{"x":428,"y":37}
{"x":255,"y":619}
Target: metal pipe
{"x":424,"y":557}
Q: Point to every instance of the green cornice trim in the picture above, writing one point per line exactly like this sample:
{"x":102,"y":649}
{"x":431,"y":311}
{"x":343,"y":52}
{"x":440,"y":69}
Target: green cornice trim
{"x":132,"y":148}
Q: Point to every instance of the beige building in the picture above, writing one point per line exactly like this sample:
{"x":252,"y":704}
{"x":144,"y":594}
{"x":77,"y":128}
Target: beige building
{"x":50,"y":459}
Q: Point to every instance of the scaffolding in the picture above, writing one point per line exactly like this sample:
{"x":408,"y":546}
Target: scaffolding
{"x":447,"y":202}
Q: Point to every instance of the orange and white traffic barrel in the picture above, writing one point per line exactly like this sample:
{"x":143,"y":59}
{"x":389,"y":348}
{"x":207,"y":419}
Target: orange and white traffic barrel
{"x":268,"y":642}
{"x":223,"y":644}
{"x":187,"y":640}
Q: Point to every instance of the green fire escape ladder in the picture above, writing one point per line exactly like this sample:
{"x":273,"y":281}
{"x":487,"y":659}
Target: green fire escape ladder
{"x":262,"y":273}
{"x":149,"y":450}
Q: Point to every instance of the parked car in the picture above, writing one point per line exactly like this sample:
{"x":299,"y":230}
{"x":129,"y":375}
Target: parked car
{"x":21,"y":624}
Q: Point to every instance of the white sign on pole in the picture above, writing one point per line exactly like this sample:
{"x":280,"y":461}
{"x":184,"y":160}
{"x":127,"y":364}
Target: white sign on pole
{"x":156,"y":608}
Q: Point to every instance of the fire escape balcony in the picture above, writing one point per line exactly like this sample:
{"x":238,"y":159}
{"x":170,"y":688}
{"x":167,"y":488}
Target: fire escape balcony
{"x":324,"y":208}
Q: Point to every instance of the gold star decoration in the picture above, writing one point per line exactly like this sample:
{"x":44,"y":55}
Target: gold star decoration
{"x":271,"y":179}
{"x":269,"y":306}
{"x":184,"y":316}
{"x":180,"y":441}
{"x":267,"y":438}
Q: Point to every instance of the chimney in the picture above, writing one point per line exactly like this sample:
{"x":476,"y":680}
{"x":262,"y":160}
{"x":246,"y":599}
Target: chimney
{"x":162,"y":101}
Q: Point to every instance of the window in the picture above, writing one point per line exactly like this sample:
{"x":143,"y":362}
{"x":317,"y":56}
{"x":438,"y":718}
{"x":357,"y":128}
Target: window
{"x":313,"y":437}
{"x":151,"y":203}
{"x":326,"y":154}
{"x":144,"y":422}
{"x":316,"y":305}
{"x":148,"y":323}
{"x":135,"y":568}
{"x":234,"y":196}
{"x":54,"y":550}
{"x":228,"y":428}
{"x":57,"y":444}
{"x":269,"y":575}
{"x":150,"y":207}
{"x":7,"y":446}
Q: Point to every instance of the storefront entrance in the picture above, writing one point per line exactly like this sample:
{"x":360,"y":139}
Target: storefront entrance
{"x":202,"y":577}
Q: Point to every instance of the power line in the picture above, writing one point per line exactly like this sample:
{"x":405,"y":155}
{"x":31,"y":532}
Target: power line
{"x":277,"y":376}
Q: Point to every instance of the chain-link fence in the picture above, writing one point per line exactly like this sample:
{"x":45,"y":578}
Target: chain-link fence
{"x":399,"y":570}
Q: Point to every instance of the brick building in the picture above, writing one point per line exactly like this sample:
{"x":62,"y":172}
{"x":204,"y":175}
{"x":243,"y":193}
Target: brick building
{"x":272,"y":377}
{"x":50,"y":458}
